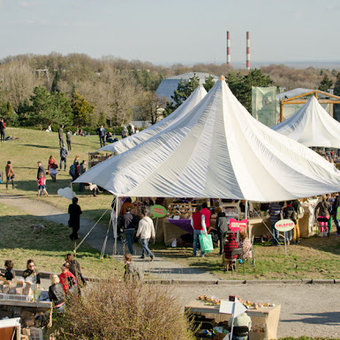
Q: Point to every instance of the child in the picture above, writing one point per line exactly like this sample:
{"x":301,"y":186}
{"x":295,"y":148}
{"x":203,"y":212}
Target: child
{"x":67,"y":279}
{"x":9,"y":272}
{"x":42,"y":185}
{"x":131,"y":272}
{"x":229,"y":246}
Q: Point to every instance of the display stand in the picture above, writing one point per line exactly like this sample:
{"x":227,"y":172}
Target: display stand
{"x":265,"y":320}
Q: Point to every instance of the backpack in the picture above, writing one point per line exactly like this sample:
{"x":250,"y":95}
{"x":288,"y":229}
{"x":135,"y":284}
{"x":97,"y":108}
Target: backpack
{"x":72,"y":170}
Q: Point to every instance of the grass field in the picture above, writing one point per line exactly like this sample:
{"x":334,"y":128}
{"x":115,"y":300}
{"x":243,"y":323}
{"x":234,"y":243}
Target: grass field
{"x":317,"y":258}
{"x":33,"y":146}
{"x":47,"y":248}
{"x":313,"y":258}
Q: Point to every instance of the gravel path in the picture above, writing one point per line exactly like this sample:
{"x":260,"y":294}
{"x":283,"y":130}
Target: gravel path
{"x":306,"y":309}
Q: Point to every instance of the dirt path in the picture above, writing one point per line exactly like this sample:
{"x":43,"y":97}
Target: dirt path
{"x":159,"y":268}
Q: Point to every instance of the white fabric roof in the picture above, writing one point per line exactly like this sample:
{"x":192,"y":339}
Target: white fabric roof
{"x":133,"y":140}
{"x":217,"y":150}
{"x":312,"y":126}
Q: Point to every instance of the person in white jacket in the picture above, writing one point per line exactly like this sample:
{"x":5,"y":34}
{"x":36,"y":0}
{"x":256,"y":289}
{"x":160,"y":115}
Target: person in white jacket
{"x":146,"y":230}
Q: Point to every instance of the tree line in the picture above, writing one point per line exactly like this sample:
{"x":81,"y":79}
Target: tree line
{"x":38,"y":90}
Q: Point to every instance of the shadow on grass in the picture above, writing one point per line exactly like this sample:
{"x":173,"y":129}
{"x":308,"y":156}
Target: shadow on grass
{"x":52,"y":187}
{"x":41,"y":146}
{"x":327,"y":318}
{"x":329,"y":244}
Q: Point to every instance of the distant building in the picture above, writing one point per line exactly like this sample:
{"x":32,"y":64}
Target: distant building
{"x":168,"y":86}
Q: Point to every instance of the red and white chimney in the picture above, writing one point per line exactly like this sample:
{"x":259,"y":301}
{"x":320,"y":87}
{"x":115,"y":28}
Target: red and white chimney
{"x":228,"y":49}
{"x":248,"y":51}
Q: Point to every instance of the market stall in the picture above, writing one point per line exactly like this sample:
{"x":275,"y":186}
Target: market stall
{"x":264,"y":316}
{"x":27,"y":302}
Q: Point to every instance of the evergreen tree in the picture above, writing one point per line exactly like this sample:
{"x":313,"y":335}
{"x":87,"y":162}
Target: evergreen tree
{"x":325,"y":83}
{"x":209,"y":83}
{"x":183,"y":91}
{"x":241,"y":86}
{"x":82,"y":110}
{"x":55,"y":86}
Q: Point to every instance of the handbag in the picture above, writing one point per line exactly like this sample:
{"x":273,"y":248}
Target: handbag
{"x":206,"y":243}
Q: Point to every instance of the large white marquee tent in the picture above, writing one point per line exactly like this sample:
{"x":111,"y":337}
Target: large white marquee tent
{"x":312,"y":126}
{"x":217,"y":150}
{"x":136,"y":139}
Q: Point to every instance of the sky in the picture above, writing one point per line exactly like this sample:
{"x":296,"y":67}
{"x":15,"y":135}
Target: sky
{"x":173,"y":31}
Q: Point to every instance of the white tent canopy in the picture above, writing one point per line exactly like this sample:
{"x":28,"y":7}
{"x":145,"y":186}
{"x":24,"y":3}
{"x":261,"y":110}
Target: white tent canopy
{"x":131,"y":141}
{"x":217,"y":150}
{"x":312,"y":126}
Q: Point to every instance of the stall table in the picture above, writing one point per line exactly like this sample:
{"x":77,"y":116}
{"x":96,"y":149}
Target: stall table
{"x":265,"y":319}
{"x":14,"y":308}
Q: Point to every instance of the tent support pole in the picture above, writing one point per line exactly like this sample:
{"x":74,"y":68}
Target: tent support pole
{"x":246,"y":210}
{"x":115,"y":231}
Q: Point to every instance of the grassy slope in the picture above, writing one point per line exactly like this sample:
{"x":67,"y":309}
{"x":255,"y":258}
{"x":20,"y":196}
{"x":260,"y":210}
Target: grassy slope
{"x":48,"y":247}
{"x":35,"y":145}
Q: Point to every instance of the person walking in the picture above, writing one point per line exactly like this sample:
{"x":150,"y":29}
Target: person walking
{"x":322,"y":215}
{"x":207,"y":214}
{"x":2,"y":130}
{"x":146,"y":230}
{"x":74,"y":221}
{"x":52,"y":168}
{"x":68,"y":140}
{"x":222,"y":227}
{"x":63,"y":156}
{"x":290,"y":214}
{"x":275,"y":215}
{"x":101,"y":133}
{"x":336,"y":213}
{"x":41,"y":171}
{"x":199,"y":226}
{"x":130,"y":224}
{"x":82,"y":170}
{"x":61,"y":135}
{"x":42,"y":185}
{"x":9,"y":174}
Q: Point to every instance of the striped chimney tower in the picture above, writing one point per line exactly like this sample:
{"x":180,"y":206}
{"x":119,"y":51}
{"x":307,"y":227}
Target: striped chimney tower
{"x":248,"y":51}
{"x":228,"y":48}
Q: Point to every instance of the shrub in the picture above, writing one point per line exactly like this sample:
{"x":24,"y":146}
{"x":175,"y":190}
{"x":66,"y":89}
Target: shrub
{"x":118,"y":310}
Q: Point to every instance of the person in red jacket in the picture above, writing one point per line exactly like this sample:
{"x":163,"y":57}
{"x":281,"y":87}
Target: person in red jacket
{"x":229,"y":246}
{"x":67,"y":279}
{"x":199,"y":226}
{"x":207,"y":214}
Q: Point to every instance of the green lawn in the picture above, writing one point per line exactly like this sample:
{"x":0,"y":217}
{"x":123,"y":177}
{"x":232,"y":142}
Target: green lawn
{"x":313,"y":258}
{"x":33,"y":146}
{"x":47,"y":248}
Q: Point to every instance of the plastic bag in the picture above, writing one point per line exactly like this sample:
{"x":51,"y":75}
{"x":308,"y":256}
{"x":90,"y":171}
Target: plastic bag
{"x":206,"y":243}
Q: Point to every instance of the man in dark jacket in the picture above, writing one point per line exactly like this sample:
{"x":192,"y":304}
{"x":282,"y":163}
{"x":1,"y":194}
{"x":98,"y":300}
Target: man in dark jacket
{"x":221,"y":226}
{"x":101,"y":133}
{"x":290,"y":214}
{"x":75,"y":268}
{"x":74,"y":222}
{"x":63,"y":156}
{"x":41,"y":170}
{"x":61,"y":135}
{"x":130,"y":225}
{"x":68,"y":139}
{"x":2,"y":130}
{"x":336,"y":213}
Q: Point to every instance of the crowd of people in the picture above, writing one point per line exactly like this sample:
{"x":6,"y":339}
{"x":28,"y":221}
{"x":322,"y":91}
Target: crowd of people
{"x":69,"y":281}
